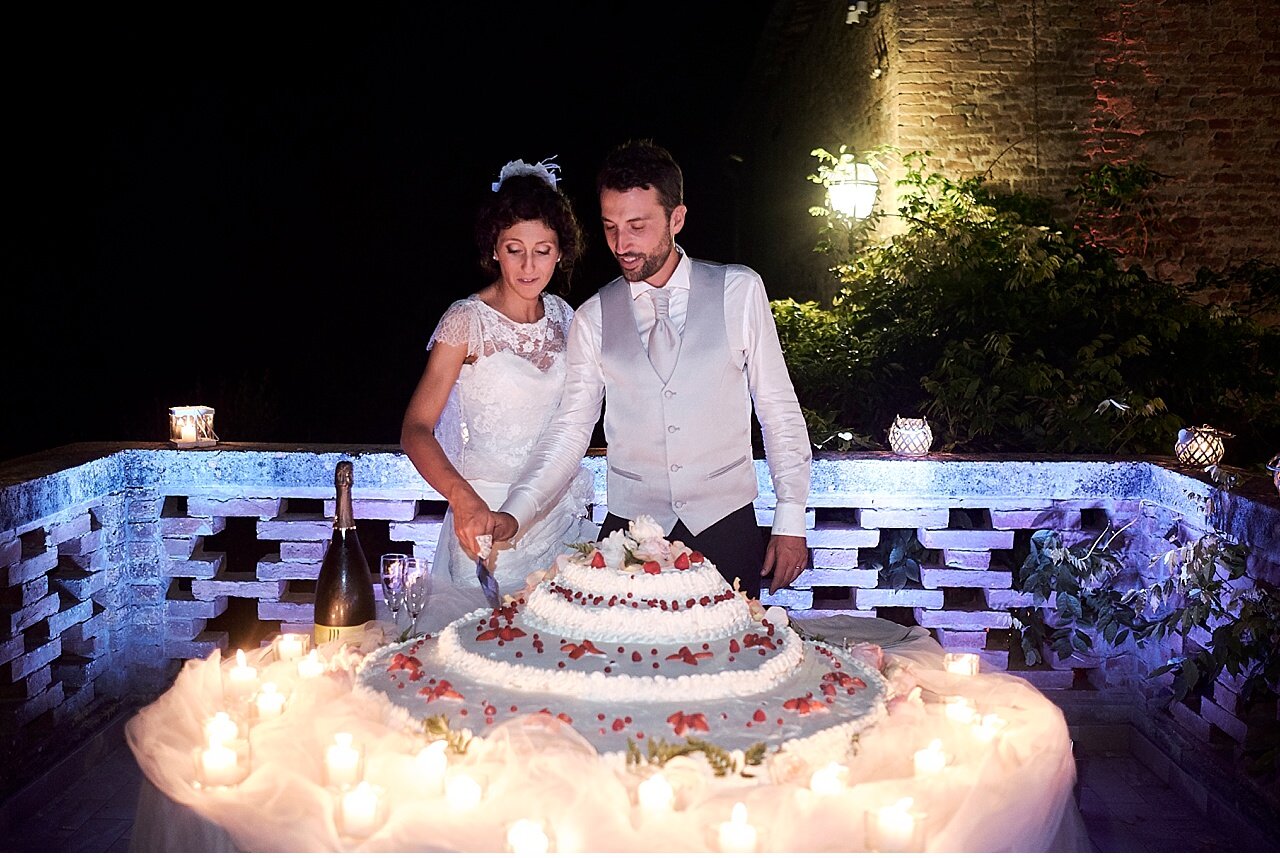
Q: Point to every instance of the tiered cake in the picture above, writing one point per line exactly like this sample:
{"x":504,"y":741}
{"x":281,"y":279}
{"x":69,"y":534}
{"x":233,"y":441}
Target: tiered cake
{"x":635,"y":638}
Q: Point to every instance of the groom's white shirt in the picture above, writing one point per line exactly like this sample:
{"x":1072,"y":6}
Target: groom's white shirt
{"x":751,"y":334}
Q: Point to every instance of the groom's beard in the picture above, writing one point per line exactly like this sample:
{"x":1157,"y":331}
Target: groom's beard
{"x":652,"y":262}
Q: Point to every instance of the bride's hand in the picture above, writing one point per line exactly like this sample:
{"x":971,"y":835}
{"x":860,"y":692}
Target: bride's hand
{"x":505,"y":527}
{"x":471,"y":520}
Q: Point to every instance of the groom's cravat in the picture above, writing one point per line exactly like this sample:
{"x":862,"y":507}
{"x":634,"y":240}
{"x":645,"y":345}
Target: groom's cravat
{"x":664,"y":342}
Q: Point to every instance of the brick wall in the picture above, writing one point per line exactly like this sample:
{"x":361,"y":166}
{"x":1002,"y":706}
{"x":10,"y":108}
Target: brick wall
{"x":1032,"y":94}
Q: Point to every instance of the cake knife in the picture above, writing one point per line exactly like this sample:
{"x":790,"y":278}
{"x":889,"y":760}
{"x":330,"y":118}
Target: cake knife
{"x":488,"y":583}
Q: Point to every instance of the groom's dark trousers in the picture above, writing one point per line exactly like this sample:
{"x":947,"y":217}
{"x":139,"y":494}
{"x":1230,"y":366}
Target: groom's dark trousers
{"x":735,"y":544}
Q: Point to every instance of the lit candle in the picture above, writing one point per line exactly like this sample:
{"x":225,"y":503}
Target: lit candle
{"x":291,"y":646}
{"x":360,"y":810}
{"x":930,"y":760}
{"x":656,"y":795}
{"x":960,"y":709}
{"x":342,"y":761}
{"x":961,"y":663}
{"x":894,"y":829}
{"x":988,"y":728}
{"x":243,"y":678}
{"x":269,"y":701}
{"x":187,"y":431}
{"x":432,"y":764}
{"x":311,"y":666}
{"x":462,"y":793}
{"x":829,"y":780}
{"x":220,"y":729}
{"x":737,"y":835}
{"x":218,"y":765}
{"x":525,"y":836}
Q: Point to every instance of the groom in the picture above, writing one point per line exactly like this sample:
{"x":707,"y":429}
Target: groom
{"x":680,"y":349}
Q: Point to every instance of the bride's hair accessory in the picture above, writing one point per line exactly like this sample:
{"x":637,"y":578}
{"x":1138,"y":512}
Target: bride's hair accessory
{"x":546,"y":169}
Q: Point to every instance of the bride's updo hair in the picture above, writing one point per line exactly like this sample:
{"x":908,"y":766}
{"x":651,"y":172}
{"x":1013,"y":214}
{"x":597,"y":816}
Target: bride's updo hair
{"x":528,"y":197}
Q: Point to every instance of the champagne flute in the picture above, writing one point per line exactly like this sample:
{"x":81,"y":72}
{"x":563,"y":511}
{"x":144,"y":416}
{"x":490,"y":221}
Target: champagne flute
{"x":416,"y":585}
{"x":393,"y":569}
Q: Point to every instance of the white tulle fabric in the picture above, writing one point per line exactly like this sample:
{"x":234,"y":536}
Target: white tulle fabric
{"x":1013,"y":795}
{"x":497,"y":409}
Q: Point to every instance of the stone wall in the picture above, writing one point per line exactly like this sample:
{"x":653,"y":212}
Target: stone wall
{"x":1031,"y":94}
{"x":116,"y":564}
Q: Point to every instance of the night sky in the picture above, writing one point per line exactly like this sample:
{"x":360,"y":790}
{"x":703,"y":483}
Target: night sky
{"x":264,"y":208}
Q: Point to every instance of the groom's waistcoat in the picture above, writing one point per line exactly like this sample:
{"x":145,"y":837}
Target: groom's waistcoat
{"x":683,"y":449}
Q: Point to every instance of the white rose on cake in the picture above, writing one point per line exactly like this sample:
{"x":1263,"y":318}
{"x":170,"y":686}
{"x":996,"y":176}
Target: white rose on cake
{"x":643,"y":527}
{"x":614,"y":547}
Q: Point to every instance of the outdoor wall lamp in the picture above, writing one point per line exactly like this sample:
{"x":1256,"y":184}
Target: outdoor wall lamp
{"x":191,"y":426}
{"x":852,"y":189}
{"x":860,"y":11}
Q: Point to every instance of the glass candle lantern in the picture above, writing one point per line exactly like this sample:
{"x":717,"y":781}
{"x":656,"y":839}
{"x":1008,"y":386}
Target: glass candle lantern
{"x":191,"y":426}
{"x":910,"y":436}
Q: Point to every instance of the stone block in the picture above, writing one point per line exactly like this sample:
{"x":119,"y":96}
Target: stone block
{"x":1224,"y":720}
{"x":142,"y":531}
{"x":75,"y":702}
{"x":1002,"y":600}
{"x":19,"y":619}
{"x":28,"y":686}
{"x":427,"y":528}
{"x":144,"y":506}
{"x":180,"y":547}
{"x":11,"y":649}
{"x":954,"y":619}
{"x":41,"y":652}
{"x":302,"y":552}
{"x":28,"y":568}
{"x":904,"y":598}
{"x":375,"y":509}
{"x":10,"y":551}
{"x":93,"y":626}
{"x":273,"y":568}
{"x":76,"y":670}
{"x":834,"y":558}
{"x":1049,"y":517}
{"x":826,"y":613}
{"x":204,"y":507}
{"x":934,"y":577}
{"x":296,"y":527}
{"x":961,"y":641}
{"x":837,"y":578}
{"x":26,"y":594}
{"x":1191,"y":721}
{"x":72,"y":528}
{"x":788,"y":598}
{"x":187,"y":526}
{"x":972,"y":540}
{"x":294,"y":608}
{"x":95,"y":647}
{"x":184,"y":628}
{"x":188,"y":607}
{"x":963,"y":558}
{"x":202,"y":647}
{"x":834,"y":534}
{"x":886,"y":517}
{"x":18,"y":714}
{"x":240,"y":587}
{"x":86,"y":543}
{"x":424,"y":551}
{"x":70,"y":614}
{"x":1045,"y":678}
{"x":202,"y":566}
{"x":146,"y":594}
{"x":1225,"y":696}
{"x":95,"y":561}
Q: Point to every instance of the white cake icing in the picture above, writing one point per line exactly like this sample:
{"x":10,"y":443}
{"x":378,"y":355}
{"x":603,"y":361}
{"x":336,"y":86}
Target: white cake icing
{"x":634,"y":638}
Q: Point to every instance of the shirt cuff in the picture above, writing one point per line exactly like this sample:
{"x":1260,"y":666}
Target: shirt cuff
{"x":522,"y":508}
{"x":788,"y":520}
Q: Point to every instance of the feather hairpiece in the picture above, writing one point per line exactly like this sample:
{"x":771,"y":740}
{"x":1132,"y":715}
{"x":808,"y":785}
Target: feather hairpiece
{"x":546,"y":169}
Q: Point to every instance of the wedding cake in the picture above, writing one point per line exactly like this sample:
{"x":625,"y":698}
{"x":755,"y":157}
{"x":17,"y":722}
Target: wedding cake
{"x":633,"y":639}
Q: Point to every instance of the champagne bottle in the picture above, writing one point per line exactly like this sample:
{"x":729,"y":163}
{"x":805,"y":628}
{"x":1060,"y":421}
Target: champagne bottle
{"x":344,"y":590}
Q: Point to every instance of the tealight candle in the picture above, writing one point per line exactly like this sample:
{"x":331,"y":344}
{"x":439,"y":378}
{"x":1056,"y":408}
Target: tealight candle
{"x":269,"y":701}
{"x":220,"y":729}
{"x":291,"y":646}
{"x":655,"y":795}
{"x":311,"y":666}
{"x":526,"y":837}
{"x":360,"y":810}
{"x":737,"y":835}
{"x":829,"y":780}
{"x":930,"y":760}
{"x":243,"y":678}
{"x":988,"y":727}
{"x":960,"y":709}
{"x":961,"y":663}
{"x":462,"y":793}
{"x":432,"y":763}
{"x":187,"y":432}
{"x":342,"y":761}
{"x":894,"y":828}
{"x":218,"y":765}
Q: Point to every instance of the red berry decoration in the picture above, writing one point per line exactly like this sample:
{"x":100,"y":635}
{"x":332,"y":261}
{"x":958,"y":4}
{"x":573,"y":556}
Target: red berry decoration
{"x":696,"y":556}
{"x":682,"y":562}
{"x":597,"y":560}
{"x":652,"y":567}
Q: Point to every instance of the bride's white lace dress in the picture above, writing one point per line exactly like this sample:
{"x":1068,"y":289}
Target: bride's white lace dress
{"x":494,"y":415}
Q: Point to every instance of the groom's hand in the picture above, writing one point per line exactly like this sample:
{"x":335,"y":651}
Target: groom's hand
{"x":472,"y":519}
{"x":784,"y":560}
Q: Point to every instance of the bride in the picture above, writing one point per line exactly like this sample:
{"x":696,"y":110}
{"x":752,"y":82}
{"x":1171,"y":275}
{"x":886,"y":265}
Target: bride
{"x":493,"y":379}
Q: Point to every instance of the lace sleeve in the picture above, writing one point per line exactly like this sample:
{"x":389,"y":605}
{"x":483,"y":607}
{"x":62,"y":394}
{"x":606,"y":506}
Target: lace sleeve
{"x":460,"y":325}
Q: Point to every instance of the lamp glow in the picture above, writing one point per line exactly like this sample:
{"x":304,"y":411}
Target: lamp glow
{"x":656,"y":795}
{"x":526,"y":837}
{"x":831,"y":779}
{"x":191,"y":426}
{"x":961,"y":663}
{"x":737,"y":835}
{"x":1200,"y":446}
{"x":852,"y":190}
